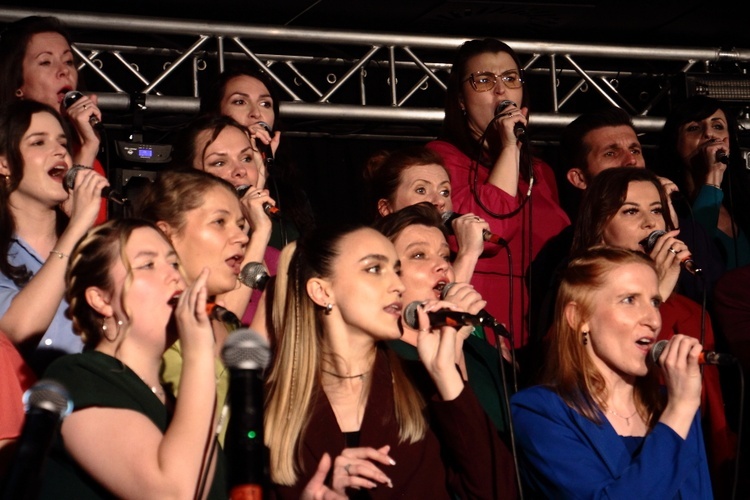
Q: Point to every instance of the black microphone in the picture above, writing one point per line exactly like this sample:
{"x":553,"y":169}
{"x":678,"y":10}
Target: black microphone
{"x":246,"y":354}
{"x":107,"y":192}
{"x":47,"y":402}
{"x":73,"y":96}
{"x":265,"y":149}
{"x":518,"y":129}
{"x":705,"y":358}
{"x":270,"y":210}
{"x":648,"y":244}
{"x":443,"y":317}
{"x":255,"y":275}
{"x":449,"y":217}
{"x":722,"y":156}
{"x":224,"y":315}
{"x":485,"y":318}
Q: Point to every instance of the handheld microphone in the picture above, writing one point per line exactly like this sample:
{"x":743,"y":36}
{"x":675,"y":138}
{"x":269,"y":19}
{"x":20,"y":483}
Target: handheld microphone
{"x":246,"y":354}
{"x":443,"y":317}
{"x":224,"y":315}
{"x":449,"y":217}
{"x":519,"y":130}
{"x":705,"y":358}
{"x":648,"y":244}
{"x":47,"y":402}
{"x":270,"y":210}
{"x":254,"y":275}
{"x":107,"y":192}
{"x":265,"y":149}
{"x":71,"y":97}
{"x":722,"y":156}
{"x":485,"y":318}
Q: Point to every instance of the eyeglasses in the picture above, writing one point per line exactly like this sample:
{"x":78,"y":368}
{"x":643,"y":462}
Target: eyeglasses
{"x":484,"y":81}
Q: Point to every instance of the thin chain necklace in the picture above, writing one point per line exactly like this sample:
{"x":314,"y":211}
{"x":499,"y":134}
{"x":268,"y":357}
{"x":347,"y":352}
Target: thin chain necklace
{"x":360,"y":376}
{"x":627,"y":419}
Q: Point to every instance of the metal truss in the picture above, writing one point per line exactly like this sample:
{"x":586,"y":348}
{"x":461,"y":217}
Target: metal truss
{"x":366,"y":77}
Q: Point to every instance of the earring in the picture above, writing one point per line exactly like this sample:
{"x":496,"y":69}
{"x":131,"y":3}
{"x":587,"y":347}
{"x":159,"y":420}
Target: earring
{"x":585,"y":337}
{"x":329,"y":308}
{"x":463,"y":110}
{"x":19,"y":93}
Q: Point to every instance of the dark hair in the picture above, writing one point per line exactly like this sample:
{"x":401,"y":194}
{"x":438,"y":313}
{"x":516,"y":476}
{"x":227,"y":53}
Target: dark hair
{"x":15,"y":119}
{"x":736,"y":181}
{"x":604,"y":197}
{"x":384,"y":170}
{"x":423,"y":214}
{"x":185,"y":154}
{"x":573,"y":149}
{"x":176,"y":192}
{"x":211,"y":99}
{"x":13,"y":42}
{"x":455,"y":126}
{"x":90,"y":265}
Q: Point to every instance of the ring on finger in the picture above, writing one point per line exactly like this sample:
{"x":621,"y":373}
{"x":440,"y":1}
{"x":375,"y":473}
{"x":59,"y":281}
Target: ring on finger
{"x":346,"y":468}
{"x":85,"y":106}
{"x":675,"y":252}
{"x":476,"y":219}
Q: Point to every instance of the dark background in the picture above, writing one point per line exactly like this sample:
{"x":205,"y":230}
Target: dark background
{"x":328,"y":158}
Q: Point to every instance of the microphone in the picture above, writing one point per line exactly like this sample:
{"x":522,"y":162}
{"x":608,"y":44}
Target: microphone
{"x":254,"y":275}
{"x":722,"y":156}
{"x":47,"y":402}
{"x":449,"y":217}
{"x":648,"y":244}
{"x":518,"y":129}
{"x":246,"y":354}
{"x":485,"y":318}
{"x":265,"y":149}
{"x":443,"y":317}
{"x":705,"y":358}
{"x":107,"y":192}
{"x":224,"y":315}
{"x":270,"y":210}
{"x":71,"y":97}
{"x":216,"y":312}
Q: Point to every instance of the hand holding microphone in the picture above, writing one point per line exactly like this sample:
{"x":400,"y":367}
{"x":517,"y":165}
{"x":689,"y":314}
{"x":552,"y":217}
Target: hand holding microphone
{"x":271,"y":210}
{"x":74,"y":96}
{"x":686,"y":260}
{"x":519,"y":127}
{"x":69,"y":183}
{"x":266,"y":151}
{"x":487,"y":235}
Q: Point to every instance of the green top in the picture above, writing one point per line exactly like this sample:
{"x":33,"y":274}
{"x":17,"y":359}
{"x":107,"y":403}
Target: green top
{"x":97,"y":379}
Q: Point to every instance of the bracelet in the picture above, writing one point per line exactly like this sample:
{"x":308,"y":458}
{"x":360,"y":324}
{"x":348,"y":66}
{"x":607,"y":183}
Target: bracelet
{"x":78,"y":165}
{"x":59,"y":254}
{"x":714,"y":186}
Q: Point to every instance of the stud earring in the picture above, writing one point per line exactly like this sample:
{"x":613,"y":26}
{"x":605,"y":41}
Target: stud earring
{"x":329,"y":308}
{"x":585,"y":337}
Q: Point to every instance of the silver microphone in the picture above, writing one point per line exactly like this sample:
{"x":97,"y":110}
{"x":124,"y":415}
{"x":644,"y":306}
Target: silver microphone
{"x":254,"y":275}
{"x":71,"y":97}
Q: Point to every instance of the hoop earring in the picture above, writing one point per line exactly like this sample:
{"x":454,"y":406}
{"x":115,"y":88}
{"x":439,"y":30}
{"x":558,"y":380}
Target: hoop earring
{"x":329,"y":308}
{"x":19,"y":93}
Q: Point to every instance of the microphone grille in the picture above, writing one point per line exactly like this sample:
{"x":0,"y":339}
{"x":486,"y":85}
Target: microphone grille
{"x":447,"y":287}
{"x":254,"y":275}
{"x":657,"y":349}
{"x":649,"y":242}
{"x":502,"y":105}
{"x":410,"y":315}
{"x":241,"y":190}
{"x":50,"y":396}
{"x":266,"y":126}
{"x":245,"y":349}
{"x":69,"y":181}
{"x":71,"y":97}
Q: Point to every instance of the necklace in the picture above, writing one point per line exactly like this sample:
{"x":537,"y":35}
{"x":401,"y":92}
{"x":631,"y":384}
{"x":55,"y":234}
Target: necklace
{"x":361,"y":376}
{"x":627,"y":419}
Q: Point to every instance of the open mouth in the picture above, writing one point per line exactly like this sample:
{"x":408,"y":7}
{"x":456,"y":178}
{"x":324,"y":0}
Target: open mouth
{"x":61,"y":93}
{"x":173,"y":300}
{"x":234,"y":262}
{"x":58,"y":171}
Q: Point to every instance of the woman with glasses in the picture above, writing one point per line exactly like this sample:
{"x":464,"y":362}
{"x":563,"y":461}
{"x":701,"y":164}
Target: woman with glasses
{"x":495,"y":176}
